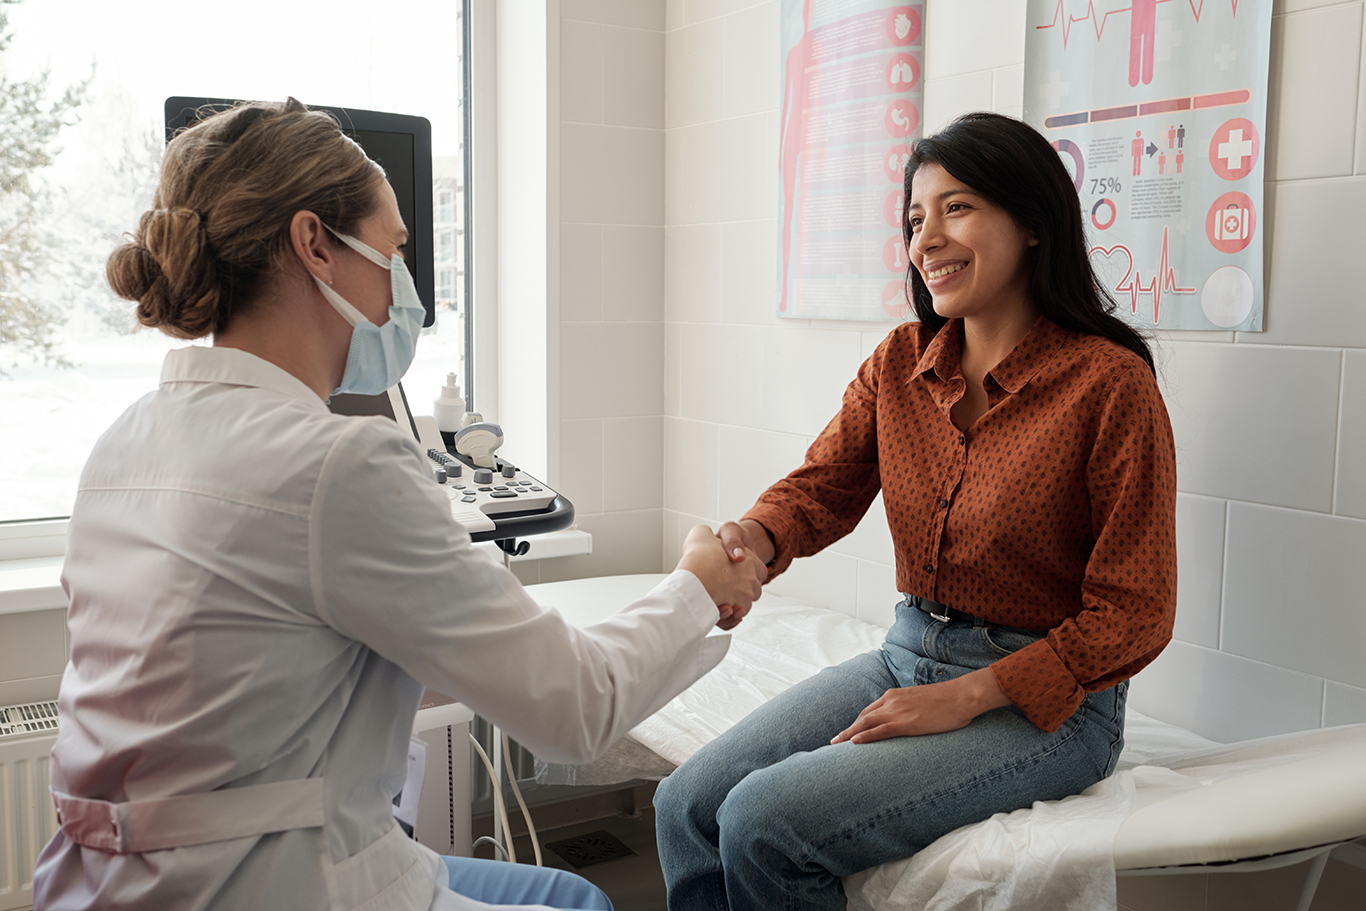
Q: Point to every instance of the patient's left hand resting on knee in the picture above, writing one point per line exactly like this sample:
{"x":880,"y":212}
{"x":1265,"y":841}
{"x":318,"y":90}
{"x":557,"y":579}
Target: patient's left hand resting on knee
{"x":932,"y":708}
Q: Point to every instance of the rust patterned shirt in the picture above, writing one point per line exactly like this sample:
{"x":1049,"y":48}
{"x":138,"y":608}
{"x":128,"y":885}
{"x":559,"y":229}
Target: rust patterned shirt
{"x":1054,"y":511}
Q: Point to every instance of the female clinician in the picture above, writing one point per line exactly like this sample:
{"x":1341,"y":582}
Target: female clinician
{"x":260,"y":589}
{"x":1026,"y":465}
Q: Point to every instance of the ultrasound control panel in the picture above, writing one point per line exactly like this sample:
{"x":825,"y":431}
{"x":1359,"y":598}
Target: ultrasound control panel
{"x":478,"y":495}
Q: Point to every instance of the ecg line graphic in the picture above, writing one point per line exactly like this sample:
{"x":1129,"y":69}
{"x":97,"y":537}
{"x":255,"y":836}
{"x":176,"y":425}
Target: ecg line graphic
{"x":1067,"y":20}
{"x":1162,"y":283}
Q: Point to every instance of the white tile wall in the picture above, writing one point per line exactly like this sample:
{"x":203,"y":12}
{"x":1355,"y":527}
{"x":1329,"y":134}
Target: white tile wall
{"x":1343,"y":704}
{"x":1295,"y":591}
{"x":632,"y":272}
{"x":611,"y":369}
{"x":692,"y":467}
{"x":828,"y":579}
{"x":1350,"y":489}
{"x":1313,"y":289}
{"x":581,"y":460}
{"x":1007,"y":90}
{"x":611,"y":174}
{"x":32,"y":644}
{"x":877,"y":594}
{"x":633,"y":456}
{"x":695,"y":72}
{"x":1311,"y":110}
{"x":612,"y":276}
{"x":805,"y":371}
{"x":748,"y":272}
{"x":581,"y":71}
{"x":580,"y":272}
{"x":995,"y":30}
{"x":623,"y":542}
{"x":1255,"y":423}
{"x":692,"y":272}
{"x":751,"y":66}
{"x":751,"y":460}
{"x":1225,"y":697}
{"x":946,"y":98}
{"x":871,"y":539}
{"x":633,"y":13}
{"x":723,"y":373}
{"x":632,"y":77}
{"x":1199,"y":568}
{"x":1271,"y":427}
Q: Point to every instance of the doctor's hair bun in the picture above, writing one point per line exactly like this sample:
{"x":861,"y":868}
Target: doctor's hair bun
{"x":169,"y":270}
{"x":218,"y":233}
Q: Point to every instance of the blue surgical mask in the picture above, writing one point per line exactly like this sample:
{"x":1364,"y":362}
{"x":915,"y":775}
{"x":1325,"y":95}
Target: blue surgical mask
{"x":379,"y":355}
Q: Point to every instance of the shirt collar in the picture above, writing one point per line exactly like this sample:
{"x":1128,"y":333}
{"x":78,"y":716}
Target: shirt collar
{"x":234,"y":367}
{"x":943,"y":352}
{"x":1029,"y":357}
{"x":1014,"y":371}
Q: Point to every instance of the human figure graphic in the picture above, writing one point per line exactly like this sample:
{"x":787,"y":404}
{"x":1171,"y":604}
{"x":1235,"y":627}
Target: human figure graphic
{"x":1180,"y":160}
{"x":1181,"y":136}
{"x":1171,"y":137}
{"x":1142,"y":31}
{"x":796,"y":95}
{"x":1162,"y":162}
{"x":1136,"y":149}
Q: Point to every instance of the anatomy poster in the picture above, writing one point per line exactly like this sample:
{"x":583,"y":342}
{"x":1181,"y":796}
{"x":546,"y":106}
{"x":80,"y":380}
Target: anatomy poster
{"x":1158,"y":109}
{"x":850,"y":110}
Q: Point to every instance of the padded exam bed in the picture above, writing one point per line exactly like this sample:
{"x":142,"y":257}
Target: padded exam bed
{"x":1194,"y":805}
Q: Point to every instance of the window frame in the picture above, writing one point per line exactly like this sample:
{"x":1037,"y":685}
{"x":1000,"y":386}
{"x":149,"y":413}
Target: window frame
{"x":44,"y":538}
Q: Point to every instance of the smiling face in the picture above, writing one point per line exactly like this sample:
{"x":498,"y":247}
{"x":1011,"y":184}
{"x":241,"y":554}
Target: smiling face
{"x":970,"y":253}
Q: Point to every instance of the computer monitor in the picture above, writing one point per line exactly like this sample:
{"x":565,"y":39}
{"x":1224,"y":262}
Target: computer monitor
{"x":391,"y":404}
{"x":401,"y":143}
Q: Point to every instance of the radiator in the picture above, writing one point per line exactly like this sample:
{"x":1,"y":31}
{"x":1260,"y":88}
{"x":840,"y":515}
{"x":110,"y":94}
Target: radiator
{"x":27,"y":817}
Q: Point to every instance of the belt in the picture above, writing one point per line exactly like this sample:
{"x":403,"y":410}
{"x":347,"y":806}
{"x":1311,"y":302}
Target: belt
{"x":943,"y":613}
{"x":191,"y":819}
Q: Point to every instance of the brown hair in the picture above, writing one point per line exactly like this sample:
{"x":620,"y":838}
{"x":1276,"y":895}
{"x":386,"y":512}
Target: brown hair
{"x":220,"y":219}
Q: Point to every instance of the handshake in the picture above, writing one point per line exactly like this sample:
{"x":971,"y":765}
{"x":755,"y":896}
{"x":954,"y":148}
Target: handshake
{"x":730,"y":564}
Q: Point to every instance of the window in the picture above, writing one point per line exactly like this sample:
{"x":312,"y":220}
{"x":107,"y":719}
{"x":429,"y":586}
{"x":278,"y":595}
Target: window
{"x":70,"y":357}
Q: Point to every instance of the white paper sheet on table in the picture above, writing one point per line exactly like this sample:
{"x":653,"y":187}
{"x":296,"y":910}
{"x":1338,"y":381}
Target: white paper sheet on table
{"x":1055,"y":855}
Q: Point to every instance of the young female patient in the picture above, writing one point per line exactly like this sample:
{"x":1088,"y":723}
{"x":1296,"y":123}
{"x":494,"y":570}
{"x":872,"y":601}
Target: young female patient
{"x":1026,"y":464}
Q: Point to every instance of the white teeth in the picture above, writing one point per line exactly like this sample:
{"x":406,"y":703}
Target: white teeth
{"x":947,"y":270}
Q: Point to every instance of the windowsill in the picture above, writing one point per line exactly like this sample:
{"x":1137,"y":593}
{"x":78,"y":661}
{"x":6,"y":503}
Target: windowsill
{"x":31,"y":585}
{"x":34,"y":584}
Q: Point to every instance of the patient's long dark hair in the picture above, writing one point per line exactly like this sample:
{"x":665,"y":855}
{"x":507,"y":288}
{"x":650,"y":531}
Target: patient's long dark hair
{"x":1007,"y":161}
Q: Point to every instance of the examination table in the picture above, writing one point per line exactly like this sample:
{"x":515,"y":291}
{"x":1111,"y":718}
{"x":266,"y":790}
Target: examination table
{"x":1178,"y":802}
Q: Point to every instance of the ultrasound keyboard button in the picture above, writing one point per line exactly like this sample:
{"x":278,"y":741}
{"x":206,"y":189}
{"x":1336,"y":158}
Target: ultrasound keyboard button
{"x":503,"y":494}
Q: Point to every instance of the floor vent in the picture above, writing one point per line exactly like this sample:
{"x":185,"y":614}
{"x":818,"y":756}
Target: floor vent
{"x":592,"y":848}
{"x":31,"y":718}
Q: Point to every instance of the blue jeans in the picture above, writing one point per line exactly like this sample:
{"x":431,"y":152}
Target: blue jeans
{"x":770,"y":815}
{"x":501,"y":883}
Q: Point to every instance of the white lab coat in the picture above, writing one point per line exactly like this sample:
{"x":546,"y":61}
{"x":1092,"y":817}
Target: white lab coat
{"x":259,"y":592}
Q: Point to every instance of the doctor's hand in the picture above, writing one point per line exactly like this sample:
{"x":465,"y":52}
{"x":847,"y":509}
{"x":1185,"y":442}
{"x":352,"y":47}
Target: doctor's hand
{"x":931,"y":708}
{"x":733,"y":584}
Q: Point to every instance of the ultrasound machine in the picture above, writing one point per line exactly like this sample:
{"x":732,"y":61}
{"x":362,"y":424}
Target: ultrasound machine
{"x":492,"y":498}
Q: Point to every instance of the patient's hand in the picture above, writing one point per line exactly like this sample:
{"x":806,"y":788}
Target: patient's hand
{"x":931,"y":708}
{"x":733,"y":584}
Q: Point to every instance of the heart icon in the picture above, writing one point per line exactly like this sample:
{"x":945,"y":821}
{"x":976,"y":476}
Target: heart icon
{"x":1112,"y":265}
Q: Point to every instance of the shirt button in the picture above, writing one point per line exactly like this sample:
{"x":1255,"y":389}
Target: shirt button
{"x":943,"y":503}
{"x":929,"y":567}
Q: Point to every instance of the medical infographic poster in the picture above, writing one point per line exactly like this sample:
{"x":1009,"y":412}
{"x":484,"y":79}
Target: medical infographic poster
{"x":850,"y":110}
{"x":1158,"y":109}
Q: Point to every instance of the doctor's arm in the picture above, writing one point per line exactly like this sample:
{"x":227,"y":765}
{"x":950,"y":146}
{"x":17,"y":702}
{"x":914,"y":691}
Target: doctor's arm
{"x":391,"y":570}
